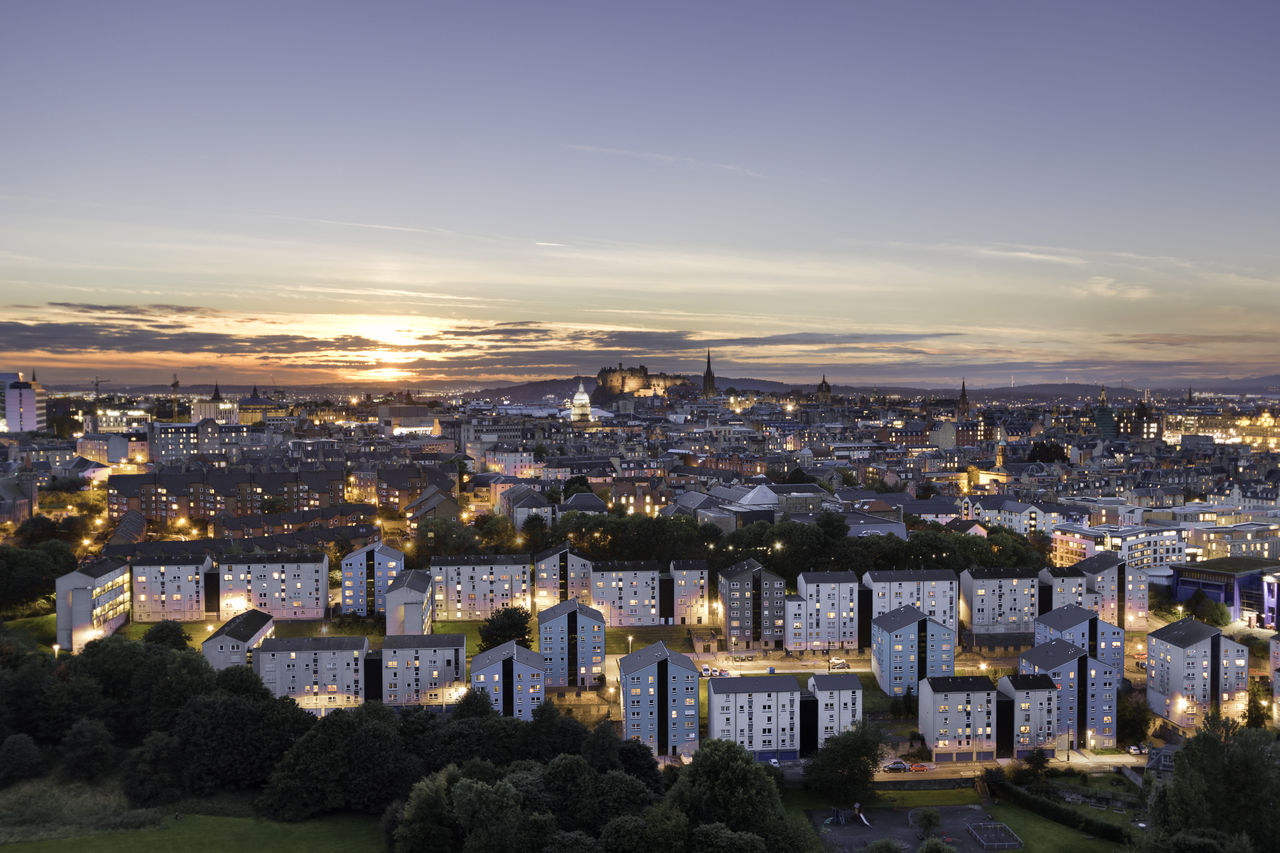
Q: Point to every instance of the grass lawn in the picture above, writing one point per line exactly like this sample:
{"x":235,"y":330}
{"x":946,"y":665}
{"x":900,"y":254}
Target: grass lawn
{"x":916,"y":799}
{"x":1045,"y":836}
{"x":40,"y":629}
{"x":676,"y":638}
{"x":199,"y":833}
{"x":874,"y":700}
{"x":470,"y":629}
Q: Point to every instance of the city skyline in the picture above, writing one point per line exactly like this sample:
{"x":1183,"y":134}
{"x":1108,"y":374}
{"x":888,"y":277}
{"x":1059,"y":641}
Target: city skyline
{"x":907,"y":194}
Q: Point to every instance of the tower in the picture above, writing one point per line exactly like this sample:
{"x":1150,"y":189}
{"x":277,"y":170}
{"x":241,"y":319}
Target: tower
{"x":708,"y":380}
{"x":824,"y":390}
{"x":962,"y":408}
{"x":580,"y":409}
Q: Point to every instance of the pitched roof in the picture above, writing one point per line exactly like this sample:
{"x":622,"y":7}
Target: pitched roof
{"x":1184,"y":633}
{"x":912,"y":575}
{"x":1002,"y":572}
{"x":486,"y":659}
{"x":836,"y":681}
{"x":1098,"y":562}
{"x":315,"y":644}
{"x":242,"y":626}
{"x":418,"y":580}
{"x":425,"y":641}
{"x":650,"y":655}
{"x":1052,"y":654}
{"x":960,"y":683}
{"x":1040,"y":681}
{"x":753,"y":684}
{"x":896,"y":620}
{"x":1066,"y":616}
{"x":829,"y":577}
{"x":555,"y":611}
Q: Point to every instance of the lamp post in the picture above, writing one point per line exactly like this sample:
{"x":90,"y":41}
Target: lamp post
{"x":57,"y":648}
{"x":630,"y":638}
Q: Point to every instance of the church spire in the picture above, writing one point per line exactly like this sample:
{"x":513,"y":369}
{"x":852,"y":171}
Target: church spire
{"x":217,"y":393}
{"x":708,"y":379}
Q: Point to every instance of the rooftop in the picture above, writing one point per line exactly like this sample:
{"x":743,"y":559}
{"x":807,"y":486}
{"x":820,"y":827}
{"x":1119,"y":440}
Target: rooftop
{"x":425,"y":641}
{"x":753,"y":684}
{"x":242,"y":626}
{"x":650,"y":655}
{"x":1184,"y":633}
{"x":959,"y":683}
{"x":836,"y":681}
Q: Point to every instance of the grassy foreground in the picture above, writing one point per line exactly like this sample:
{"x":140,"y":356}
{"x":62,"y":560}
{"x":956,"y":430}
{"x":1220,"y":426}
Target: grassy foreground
{"x":200,"y":833}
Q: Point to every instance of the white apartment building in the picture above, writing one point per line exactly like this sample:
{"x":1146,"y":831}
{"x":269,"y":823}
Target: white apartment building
{"x":512,"y":462}
{"x":233,"y":643}
{"x":659,"y":699}
{"x":1142,"y":547}
{"x":512,"y":676}
{"x":366,"y":574}
{"x":936,"y":592}
{"x":288,"y":586}
{"x":999,"y":601}
{"x":958,"y":718}
{"x":571,"y":642}
{"x":411,"y":603}
{"x":1121,"y":590}
{"x":1060,"y":586}
{"x":424,"y":669}
{"x":759,"y":712}
{"x":559,"y":574}
{"x":1032,"y":708}
{"x":626,"y":593}
{"x":474,"y":587}
{"x":92,"y":602}
{"x":170,"y":590}
{"x":690,"y":602}
{"x":1192,"y":671}
{"x":1087,"y":691}
{"x":321,"y":674}
{"x":1085,"y":629}
{"x":828,"y":612}
{"x":839,"y":696}
{"x":908,"y":646}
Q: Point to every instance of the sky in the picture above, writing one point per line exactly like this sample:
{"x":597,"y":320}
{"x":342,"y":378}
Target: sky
{"x":427,"y":193}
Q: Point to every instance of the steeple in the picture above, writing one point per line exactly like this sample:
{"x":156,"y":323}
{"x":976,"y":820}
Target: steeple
{"x":962,"y":409}
{"x":33,"y":372}
{"x":1102,"y":398}
{"x":217,"y":393}
{"x":254,"y":395}
{"x":708,"y":379}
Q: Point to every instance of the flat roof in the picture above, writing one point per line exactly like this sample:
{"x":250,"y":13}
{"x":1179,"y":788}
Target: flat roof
{"x":753,"y":684}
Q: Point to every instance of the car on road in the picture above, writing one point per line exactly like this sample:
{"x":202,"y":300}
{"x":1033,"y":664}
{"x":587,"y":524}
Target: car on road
{"x":773,"y":762}
{"x":1134,"y":750}
{"x":896,"y":767}
{"x":920,"y":768}
{"x":715,"y":671}
{"x":706,"y":670}
{"x":836,"y":661}
{"x":840,"y":665}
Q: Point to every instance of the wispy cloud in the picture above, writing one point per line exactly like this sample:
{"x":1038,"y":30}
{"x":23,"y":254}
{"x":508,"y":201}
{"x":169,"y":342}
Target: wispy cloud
{"x":667,"y":159}
{"x":1104,"y":287}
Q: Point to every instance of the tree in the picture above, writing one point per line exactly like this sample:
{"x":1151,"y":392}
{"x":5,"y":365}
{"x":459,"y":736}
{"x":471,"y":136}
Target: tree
{"x":20,"y":759}
{"x":718,"y":838}
{"x":723,"y":784}
{"x":928,"y":820}
{"x":88,"y":751}
{"x":427,"y":823}
{"x":601,"y":748}
{"x":637,"y":760}
{"x":152,"y":773}
{"x":1255,"y":713}
{"x":935,"y":845}
{"x":169,"y":633}
{"x":509,"y":623}
{"x":1133,"y":718}
{"x":844,"y":768}
{"x":474,"y":704}
{"x":1037,"y":762}
{"x":885,"y":845}
{"x":242,"y":681}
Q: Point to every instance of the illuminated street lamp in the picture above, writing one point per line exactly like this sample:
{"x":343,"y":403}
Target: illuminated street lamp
{"x":57,"y":648}
{"x":629,"y":639}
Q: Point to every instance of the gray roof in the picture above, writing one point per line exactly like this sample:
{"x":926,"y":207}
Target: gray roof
{"x":753,"y":684}
{"x":483,"y":560}
{"x":555,"y":611}
{"x":896,"y":620}
{"x":1066,"y":616}
{"x":960,"y":683}
{"x":484,"y":660}
{"x":650,"y":655}
{"x":242,"y":626}
{"x":1040,"y":681}
{"x":747,"y":566}
{"x":1184,"y":633}
{"x":829,"y":577}
{"x":418,"y":580}
{"x":1098,"y":562}
{"x":1063,"y":571}
{"x":626,"y":566}
{"x":425,"y":641}
{"x":266,"y":558}
{"x":101,"y":568}
{"x":1002,"y":572}
{"x":1052,"y":654}
{"x":891,"y":575}
{"x":836,"y":681}
{"x":314,"y":644}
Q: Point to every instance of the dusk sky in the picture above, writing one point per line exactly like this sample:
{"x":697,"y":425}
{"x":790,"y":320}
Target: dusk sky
{"x":425,"y":192}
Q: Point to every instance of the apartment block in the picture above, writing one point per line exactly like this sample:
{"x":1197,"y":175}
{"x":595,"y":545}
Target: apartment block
{"x":1026,"y":715}
{"x":958,"y":718}
{"x":828,"y":611}
{"x":659,"y":699}
{"x":753,"y":601}
{"x":321,"y":674}
{"x":233,"y":643}
{"x":424,"y":669}
{"x":936,"y":592}
{"x":759,"y":712}
{"x":999,"y":601}
{"x":571,"y":642}
{"x":634,"y":593}
{"x":92,"y":602}
{"x":1121,"y":589}
{"x":512,"y":676}
{"x":411,"y":603}
{"x":1085,"y":629}
{"x":560,"y":573}
{"x":1193,"y":671}
{"x":1060,"y":586}
{"x":366,"y":574}
{"x":474,"y":587}
{"x":1087,"y":691}
{"x":839,"y":703}
{"x":173,"y":589}
{"x":908,"y":646}
{"x":288,"y":586}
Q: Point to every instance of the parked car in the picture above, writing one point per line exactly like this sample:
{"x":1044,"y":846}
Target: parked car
{"x":837,"y":661}
{"x":715,"y":671}
{"x":773,"y":762}
{"x":840,"y":665}
{"x":898,"y":766}
{"x":920,"y":768}
{"x":706,"y":670}
{"x":1135,"y":750}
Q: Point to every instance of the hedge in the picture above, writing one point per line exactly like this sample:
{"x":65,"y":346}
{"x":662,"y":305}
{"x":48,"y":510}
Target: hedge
{"x":1063,"y":814}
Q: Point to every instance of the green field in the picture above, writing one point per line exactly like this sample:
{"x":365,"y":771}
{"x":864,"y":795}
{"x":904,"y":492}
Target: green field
{"x":916,"y":799}
{"x":202,"y":834}
{"x":676,"y":638}
{"x":1045,"y":836}
{"x":41,"y":630}
{"x":470,"y":629}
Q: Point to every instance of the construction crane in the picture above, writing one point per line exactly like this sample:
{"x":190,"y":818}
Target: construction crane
{"x":173,"y":386}
{"x":97,"y":382}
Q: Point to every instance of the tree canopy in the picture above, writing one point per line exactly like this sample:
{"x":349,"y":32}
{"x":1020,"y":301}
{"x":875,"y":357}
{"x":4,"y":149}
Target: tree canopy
{"x":509,"y":623}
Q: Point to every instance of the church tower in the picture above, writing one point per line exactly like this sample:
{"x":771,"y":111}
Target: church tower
{"x":708,"y":380}
{"x":962,"y":409}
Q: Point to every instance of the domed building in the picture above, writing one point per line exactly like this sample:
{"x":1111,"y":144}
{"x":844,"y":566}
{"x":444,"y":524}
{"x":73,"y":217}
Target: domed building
{"x":580,"y":408}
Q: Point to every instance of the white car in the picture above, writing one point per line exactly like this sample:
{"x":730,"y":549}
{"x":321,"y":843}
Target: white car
{"x":773,"y":762}
{"x":706,"y":671}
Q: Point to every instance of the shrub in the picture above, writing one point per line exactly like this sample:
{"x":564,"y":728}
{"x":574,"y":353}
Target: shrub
{"x":1063,"y":814}
{"x":20,"y":759}
{"x":88,"y":751}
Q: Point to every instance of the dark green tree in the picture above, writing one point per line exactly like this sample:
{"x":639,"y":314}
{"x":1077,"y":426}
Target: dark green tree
{"x":843,"y":769}
{"x":601,"y":748}
{"x":88,"y":751}
{"x":509,"y":623}
{"x":168,"y":632}
{"x":475,"y":703}
{"x":20,"y":759}
{"x":152,"y":773}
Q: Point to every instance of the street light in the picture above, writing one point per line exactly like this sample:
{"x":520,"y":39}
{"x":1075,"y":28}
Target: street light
{"x":629,"y":639}
{"x":57,"y":648}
